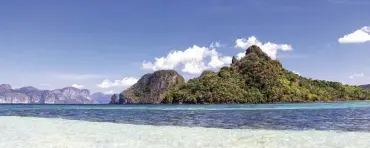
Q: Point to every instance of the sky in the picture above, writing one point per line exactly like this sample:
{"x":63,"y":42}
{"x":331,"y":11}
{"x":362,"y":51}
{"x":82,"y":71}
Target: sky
{"x":106,"y":46}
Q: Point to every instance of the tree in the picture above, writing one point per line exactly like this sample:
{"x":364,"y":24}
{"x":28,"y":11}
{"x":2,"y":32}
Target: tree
{"x":256,"y":78}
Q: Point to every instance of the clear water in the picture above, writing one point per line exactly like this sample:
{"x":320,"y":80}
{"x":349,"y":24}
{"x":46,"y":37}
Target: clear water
{"x":327,"y":125}
{"x":343,"y":116}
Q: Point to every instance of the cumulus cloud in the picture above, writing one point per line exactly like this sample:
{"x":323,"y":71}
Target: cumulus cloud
{"x":79,"y":86}
{"x":125,"y":82}
{"x":192,"y":60}
{"x":356,"y":75}
{"x":359,"y":36}
{"x":215,"y":45}
{"x":269,"y":48}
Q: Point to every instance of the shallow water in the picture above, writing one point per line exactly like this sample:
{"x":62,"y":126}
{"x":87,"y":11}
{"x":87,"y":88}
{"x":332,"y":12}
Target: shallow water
{"x":331,"y":125}
{"x":30,"y":132}
{"x":344,"y":116}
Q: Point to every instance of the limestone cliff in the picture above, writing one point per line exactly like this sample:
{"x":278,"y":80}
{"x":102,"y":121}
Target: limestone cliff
{"x":32,"y":95}
{"x":152,"y":88}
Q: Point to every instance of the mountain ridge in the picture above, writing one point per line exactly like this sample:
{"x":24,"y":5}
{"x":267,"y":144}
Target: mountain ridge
{"x":33,"y":95}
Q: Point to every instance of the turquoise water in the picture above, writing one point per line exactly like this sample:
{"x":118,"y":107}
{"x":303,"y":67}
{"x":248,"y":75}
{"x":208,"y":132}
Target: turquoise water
{"x":334,"y":105}
{"x":306,"y":125}
{"x":340,"y":116}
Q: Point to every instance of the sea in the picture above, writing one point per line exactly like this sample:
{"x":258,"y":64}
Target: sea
{"x":301,"y":125}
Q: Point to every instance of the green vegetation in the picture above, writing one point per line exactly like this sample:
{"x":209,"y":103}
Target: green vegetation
{"x":152,"y":88}
{"x":256,"y":78}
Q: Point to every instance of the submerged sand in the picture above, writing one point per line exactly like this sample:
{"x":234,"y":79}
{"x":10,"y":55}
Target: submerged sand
{"x":30,"y":132}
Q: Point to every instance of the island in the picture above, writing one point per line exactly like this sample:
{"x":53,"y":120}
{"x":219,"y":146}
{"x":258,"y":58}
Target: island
{"x":255,"y":78}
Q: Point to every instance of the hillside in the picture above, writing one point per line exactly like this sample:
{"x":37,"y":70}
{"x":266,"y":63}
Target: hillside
{"x":152,"y":88}
{"x":255,"y":78}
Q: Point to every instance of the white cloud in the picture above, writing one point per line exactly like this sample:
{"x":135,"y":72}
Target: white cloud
{"x":215,"y":45}
{"x":359,"y":36}
{"x":79,"y":86}
{"x":356,"y":75}
{"x":269,"y":48}
{"x":194,"y":67}
{"x":296,"y":72}
{"x":240,"y":55}
{"x":111,"y":92}
{"x":219,"y":61}
{"x":192,"y":60}
{"x":125,"y":82}
{"x":147,"y":65}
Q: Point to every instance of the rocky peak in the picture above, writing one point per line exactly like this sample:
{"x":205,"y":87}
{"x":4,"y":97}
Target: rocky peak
{"x":5,"y":88}
{"x":114,"y":99}
{"x":28,"y":89}
{"x":258,"y":51}
{"x":234,"y":60}
{"x":152,"y":88}
{"x":72,"y":90}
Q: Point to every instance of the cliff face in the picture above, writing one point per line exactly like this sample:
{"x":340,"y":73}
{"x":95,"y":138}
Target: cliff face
{"x":31,"y":95}
{"x":5,"y":88}
{"x":114,"y":99}
{"x":152,"y":88}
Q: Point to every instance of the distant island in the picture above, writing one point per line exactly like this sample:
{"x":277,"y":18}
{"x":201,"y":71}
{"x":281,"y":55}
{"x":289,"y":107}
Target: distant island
{"x":255,"y":78}
{"x":365,"y":86}
{"x":67,"y":95}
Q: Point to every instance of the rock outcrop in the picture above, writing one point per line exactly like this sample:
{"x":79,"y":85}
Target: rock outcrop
{"x":152,"y":88}
{"x":114,"y":99}
{"x":100,"y":98}
{"x":32,"y":95}
{"x":5,"y":88}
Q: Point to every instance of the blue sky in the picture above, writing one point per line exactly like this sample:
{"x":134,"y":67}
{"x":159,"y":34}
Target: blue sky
{"x":53,"y":44}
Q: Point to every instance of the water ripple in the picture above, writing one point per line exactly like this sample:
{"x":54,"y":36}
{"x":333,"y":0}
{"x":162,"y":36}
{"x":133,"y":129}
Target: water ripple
{"x":347,"y":116}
